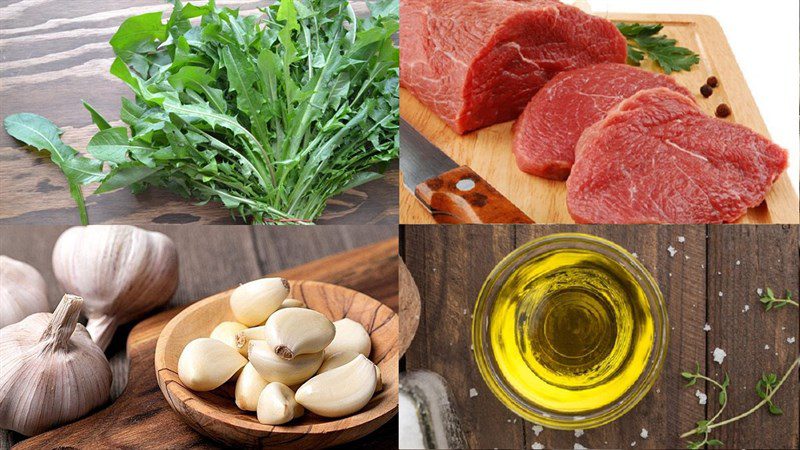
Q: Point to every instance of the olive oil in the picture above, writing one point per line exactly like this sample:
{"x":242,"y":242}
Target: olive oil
{"x":570,"y":330}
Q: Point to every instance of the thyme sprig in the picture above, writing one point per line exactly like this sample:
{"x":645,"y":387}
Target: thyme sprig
{"x":769,"y":300}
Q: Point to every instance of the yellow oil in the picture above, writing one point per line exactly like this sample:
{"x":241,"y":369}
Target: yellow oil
{"x":571,"y":331}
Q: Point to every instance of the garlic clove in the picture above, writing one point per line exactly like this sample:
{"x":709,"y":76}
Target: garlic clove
{"x":274,"y":368}
{"x":292,"y":303}
{"x":378,"y":379}
{"x":350,"y":336}
{"x":297,"y":331}
{"x":335,"y":360}
{"x":248,"y":388}
{"x":276,"y":405}
{"x":206,"y":364}
{"x":340,"y":391}
{"x":252,"y":303}
{"x":22,"y":291}
{"x":226,"y":332}
{"x":121,"y":271}
{"x":51,"y":372}
{"x":244,"y":337}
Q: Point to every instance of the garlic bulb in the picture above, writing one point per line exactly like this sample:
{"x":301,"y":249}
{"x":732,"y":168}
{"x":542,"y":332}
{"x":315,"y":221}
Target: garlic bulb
{"x":274,"y":368}
{"x":22,"y":291}
{"x":350,"y":336}
{"x":244,"y":337}
{"x":120,"y":271}
{"x":292,"y":303}
{"x":248,"y":388}
{"x":226,"y":332}
{"x":340,"y":391}
{"x":51,"y":372}
{"x":298,"y":331}
{"x":206,"y":364}
{"x":253,"y":302}
{"x":276,"y":405}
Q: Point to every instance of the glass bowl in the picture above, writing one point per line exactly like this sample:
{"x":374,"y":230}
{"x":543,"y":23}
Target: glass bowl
{"x":523,"y":405}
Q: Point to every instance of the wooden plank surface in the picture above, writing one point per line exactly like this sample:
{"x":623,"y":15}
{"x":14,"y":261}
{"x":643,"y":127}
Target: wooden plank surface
{"x":488,"y":151}
{"x":54,"y":57}
{"x":214,"y":258}
{"x":449,"y":264}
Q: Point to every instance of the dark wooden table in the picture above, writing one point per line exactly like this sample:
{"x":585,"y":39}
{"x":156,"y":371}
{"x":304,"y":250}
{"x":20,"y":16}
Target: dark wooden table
{"x":55,"y":54}
{"x":212,"y":259}
{"x":449,"y":264}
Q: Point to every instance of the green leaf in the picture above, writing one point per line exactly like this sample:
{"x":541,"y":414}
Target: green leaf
{"x":124,"y":175}
{"x":714,"y":442}
{"x":97,"y":118}
{"x":702,"y":426}
{"x":723,"y":398}
{"x":138,"y":34}
{"x":645,"y":40}
{"x":774,"y":410}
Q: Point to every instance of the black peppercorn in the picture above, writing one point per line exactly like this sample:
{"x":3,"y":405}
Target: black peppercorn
{"x":706,"y":90}
{"x":723,"y":110}
{"x":712,"y":81}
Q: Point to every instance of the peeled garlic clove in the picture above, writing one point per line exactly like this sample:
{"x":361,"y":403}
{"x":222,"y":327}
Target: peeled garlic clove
{"x":253,"y":302}
{"x":340,"y":391}
{"x":336,"y":360}
{"x":22,"y":291}
{"x":51,"y":372}
{"x":121,"y":272}
{"x":292,"y":303}
{"x":297,"y":331}
{"x":244,"y":337}
{"x":274,"y":368}
{"x":226,"y":332}
{"x":276,"y":405}
{"x":248,"y":388}
{"x":206,"y":364}
{"x":350,"y":336}
{"x":378,"y":379}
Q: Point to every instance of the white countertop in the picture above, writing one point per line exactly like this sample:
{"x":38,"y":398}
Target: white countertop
{"x":765,"y":38}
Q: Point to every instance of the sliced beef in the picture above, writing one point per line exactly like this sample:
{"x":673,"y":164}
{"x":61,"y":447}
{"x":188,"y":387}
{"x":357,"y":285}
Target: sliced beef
{"x":478,"y":62}
{"x":656,"y":158}
{"x":547,"y":131}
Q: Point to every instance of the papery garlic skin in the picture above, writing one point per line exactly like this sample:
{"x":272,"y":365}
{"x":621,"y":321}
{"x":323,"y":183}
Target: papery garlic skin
{"x":276,"y":405}
{"x":206,"y":364}
{"x":248,"y":388}
{"x":341,"y":391}
{"x":252,"y":303}
{"x":297,"y":331}
{"x":121,"y":271}
{"x":274,"y":368}
{"x":22,"y":291}
{"x":292,"y":303}
{"x":51,"y":372}
{"x":350,"y":336}
{"x":226,"y":332}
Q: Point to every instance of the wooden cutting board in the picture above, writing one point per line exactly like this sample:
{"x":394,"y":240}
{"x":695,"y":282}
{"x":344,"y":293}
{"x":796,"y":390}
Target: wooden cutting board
{"x":142,"y":418}
{"x":488,"y":151}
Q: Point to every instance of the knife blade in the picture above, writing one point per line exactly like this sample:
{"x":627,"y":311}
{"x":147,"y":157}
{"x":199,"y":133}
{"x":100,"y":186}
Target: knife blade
{"x":452,"y":193}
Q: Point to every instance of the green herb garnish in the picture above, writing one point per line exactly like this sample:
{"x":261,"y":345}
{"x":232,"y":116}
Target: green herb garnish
{"x":270,"y":114}
{"x":645,"y":40}
{"x":769,"y":301}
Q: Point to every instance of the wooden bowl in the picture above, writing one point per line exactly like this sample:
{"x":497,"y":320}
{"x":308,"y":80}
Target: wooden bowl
{"x":215,"y":414}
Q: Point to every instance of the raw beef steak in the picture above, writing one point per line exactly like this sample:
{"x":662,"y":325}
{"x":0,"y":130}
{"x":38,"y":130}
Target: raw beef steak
{"x":656,"y":158}
{"x":547,"y":131}
{"x":478,"y":62}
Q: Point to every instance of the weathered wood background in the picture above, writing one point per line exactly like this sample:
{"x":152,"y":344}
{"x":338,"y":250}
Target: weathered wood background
{"x":450,"y":263}
{"x":53,"y":54}
{"x":213,"y":259}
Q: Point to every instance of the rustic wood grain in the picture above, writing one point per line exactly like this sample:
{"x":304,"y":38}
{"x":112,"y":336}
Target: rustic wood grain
{"x":449,"y":265}
{"x":213,"y":259}
{"x":214,"y":413}
{"x":488,"y":151}
{"x":56,"y":56}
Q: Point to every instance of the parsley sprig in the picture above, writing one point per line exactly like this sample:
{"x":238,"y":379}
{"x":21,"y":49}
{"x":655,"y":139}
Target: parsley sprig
{"x":645,"y":40}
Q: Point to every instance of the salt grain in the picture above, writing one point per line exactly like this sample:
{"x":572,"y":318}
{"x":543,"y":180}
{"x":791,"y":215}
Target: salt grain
{"x":707,"y":327}
{"x":473,"y":392}
{"x":671,"y":251}
{"x":633,"y":444}
{"x":719,"y":355}
{"x":746,"y":308}
{"x":537,"y":446}
{"x":738,"y":263}
{"x":578,"y":447}
{"x":537,"y":429}
{"x":703,"y":397}
{"x":635,"y":255}
{"x":644,"y":434}
{"x":578,"y":433}
{"x":759,"y":291}
{"x":766,"y":347}
{"x":790,"y":340}
{"x":720,"y":293}
{"x":681,"y":239}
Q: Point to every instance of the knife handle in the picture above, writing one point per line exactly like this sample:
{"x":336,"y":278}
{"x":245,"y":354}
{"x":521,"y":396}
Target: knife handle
{"x":462,"y":196}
